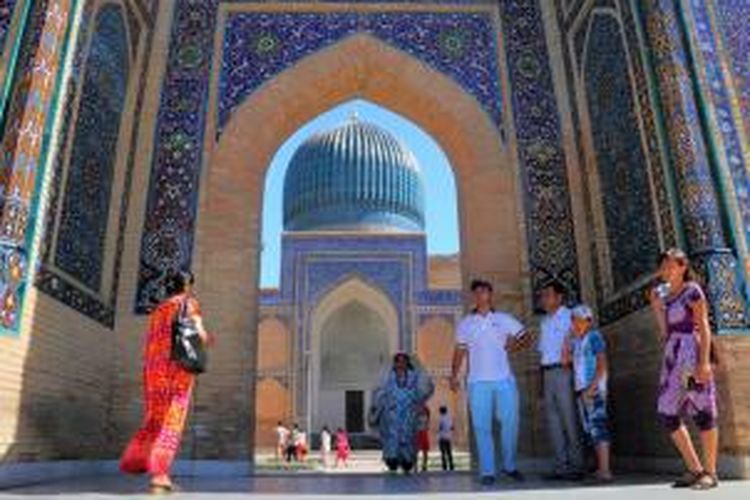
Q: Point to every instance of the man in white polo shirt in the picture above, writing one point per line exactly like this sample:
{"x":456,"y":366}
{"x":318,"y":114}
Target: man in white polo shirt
{"x":486,"y":336}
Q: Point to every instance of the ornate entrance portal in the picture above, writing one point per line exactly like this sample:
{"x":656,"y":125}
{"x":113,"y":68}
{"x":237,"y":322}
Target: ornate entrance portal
{"x":584,"y":135}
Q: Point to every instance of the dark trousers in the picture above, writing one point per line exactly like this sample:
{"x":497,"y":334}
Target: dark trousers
{"x":446,"y":454}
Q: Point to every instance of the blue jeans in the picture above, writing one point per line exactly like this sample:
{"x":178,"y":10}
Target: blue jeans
{"x":487,"y":401}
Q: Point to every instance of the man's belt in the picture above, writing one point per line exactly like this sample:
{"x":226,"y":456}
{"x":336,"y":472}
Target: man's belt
{"x":553,"y":366}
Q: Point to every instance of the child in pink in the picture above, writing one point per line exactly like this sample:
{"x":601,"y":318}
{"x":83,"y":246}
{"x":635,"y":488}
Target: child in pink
{"x":342,"y":447}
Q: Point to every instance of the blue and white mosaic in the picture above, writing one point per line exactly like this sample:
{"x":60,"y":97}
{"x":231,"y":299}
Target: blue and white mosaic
{"x":549,"y":219}
{"x":98,"y":304}
{"x":7,"y":9}
{"x":737,"y":42}
{"x":260,"y":45}
{"x":623,"y":174}
{"x":85,"y":207}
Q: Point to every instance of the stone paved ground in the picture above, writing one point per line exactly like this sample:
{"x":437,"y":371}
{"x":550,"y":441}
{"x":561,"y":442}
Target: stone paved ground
{"x":428,"y":486}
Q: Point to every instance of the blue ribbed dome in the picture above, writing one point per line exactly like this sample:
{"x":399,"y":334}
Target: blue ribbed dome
{"x":355,"y":177}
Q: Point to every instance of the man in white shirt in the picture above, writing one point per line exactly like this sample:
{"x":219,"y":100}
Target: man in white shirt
{"x":485,"y":336}
{"x":557,"y":380}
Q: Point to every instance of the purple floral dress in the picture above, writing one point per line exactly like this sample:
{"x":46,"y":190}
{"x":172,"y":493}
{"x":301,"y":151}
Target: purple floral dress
{"x":679,"y":396}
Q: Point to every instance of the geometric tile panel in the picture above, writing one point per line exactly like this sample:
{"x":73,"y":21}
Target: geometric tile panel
{"x":67,"y":287}
{"x":612,"y":302}
{"x":85,"y":206}
{"x":733,"y":19}
{"x":24,"y":132}
{"x":259,"y":45}
{"x":625,"y":192}
{"x":549,"y":221}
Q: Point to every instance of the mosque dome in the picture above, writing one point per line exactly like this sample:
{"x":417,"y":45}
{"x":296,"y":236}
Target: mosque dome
{"x":355,"y":177}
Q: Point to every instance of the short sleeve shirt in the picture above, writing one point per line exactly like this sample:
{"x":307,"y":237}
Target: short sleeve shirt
{"x":485,"y":338}
{"x":445,"y":427}
{"x":555,"y":327}
{"x":584,"y":352}
{"x":679,"y":309}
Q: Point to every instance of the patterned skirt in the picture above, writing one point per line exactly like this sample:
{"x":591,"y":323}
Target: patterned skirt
{"x":679,"y":394}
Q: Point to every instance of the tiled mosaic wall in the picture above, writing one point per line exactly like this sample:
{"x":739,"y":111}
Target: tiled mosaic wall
{"x":7,"y":9}
{"x":626,"y":198}
{"x":627,"y":182}
{"x":720,"y":47}
{"x":670,"y":176}
{"x":28,"y":116}
{"x":79,"y":249}
{"x":103,"y":73}
{"x":259,"y":45}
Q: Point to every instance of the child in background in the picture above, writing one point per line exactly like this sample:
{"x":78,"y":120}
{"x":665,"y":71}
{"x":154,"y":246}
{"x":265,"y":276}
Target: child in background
{"x":587,"y":351}
{"x":325,"y":447}
{"x":423,"y":435}
{"x":342,"y":447}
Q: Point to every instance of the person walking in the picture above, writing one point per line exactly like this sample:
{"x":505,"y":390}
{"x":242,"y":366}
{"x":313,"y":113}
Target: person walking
{"x":445,"y":439}
{"x":423,"y":435}
{"x":557,"y":382}
{"x":484,"y":337}
{"x":167,"y":386}
{"x":343,"y":449}
{"x":291,"y":445}
{"x":686,"y":383}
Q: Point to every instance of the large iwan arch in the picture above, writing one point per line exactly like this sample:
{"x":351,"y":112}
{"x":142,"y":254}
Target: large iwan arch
{"x":228,"y":227}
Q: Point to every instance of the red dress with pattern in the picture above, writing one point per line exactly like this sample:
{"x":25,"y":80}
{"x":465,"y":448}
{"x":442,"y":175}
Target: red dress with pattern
{"x":167,"y":390}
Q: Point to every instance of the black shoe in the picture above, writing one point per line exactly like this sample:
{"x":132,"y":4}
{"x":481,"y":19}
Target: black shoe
{"x":555,"y":476}
{"x":688,"y":479}
{"x":576,"y":477}
{"x":487,"y":480}
{"x":515,"y":475}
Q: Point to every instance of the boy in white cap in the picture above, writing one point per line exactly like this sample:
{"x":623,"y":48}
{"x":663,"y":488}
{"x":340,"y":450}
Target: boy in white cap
{"x":588,"y":352}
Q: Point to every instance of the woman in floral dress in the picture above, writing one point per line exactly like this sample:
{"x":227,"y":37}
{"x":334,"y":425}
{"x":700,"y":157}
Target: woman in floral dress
{"x":686,"y":385}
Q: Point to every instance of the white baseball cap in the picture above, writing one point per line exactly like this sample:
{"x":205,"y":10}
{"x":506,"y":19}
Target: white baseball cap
{"x":583,"y":312}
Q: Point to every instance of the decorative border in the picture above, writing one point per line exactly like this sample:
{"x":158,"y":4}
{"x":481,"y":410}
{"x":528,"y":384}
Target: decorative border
{"x":692,"y":169}
{"x":708,"y":50}
{"x":25,"y":144}
{"x":260,"y":45}
{"x":48,"y":280}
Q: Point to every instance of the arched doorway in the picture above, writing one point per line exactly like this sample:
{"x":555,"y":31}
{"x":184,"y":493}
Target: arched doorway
{"x":354,"y":332}
{"x":492,"y":236}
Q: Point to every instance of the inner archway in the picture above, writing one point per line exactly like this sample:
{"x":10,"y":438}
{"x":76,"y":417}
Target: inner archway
{"x":353,"y":340}
{"x":229,"y":220}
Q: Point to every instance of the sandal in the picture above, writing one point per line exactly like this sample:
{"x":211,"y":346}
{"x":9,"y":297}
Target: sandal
{"x":688,"y":479}
{"x":706,"y":482}
{"x":162,"y":489}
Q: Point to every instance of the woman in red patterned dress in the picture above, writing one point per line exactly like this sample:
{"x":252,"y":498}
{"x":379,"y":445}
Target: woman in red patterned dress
{"x":167,"y":388}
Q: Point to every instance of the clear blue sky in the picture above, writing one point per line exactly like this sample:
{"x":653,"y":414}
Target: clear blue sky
{"x":440,"y":189}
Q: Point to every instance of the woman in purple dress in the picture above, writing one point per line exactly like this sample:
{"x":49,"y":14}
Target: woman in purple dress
{"x":686,"y":385}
